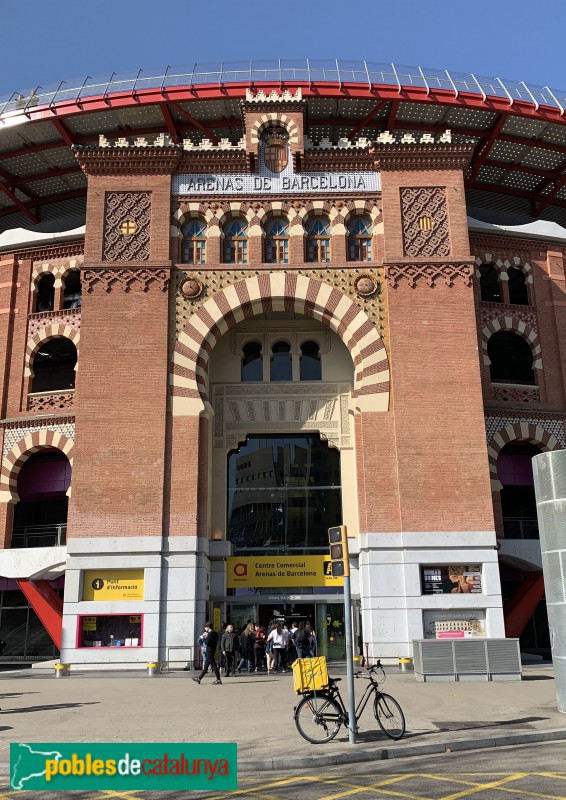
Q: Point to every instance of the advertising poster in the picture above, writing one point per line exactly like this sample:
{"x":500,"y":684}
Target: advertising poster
{"x":451,"y":579}
{"x":465,"y":624}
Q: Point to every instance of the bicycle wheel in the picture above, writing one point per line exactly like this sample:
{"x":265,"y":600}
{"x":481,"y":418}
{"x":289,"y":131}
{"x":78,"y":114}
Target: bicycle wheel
{"x":389,"y":716}
{"x":318,"y":718}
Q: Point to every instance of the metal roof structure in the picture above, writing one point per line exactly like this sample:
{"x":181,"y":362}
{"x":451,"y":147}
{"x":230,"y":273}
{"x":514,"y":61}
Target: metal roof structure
{"x":519,"y":131}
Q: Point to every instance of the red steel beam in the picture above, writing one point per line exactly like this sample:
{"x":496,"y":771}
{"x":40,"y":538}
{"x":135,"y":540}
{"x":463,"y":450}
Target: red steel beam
{"x":347,"y":90}
{"x":42,"y":201}
{"x":390,"y":124}
{"x":63,"y":132}
{"x":196,"y":123}
{"x":482,"y":151}
{"x":18,"y":203}
{"x":170,"y":122}
{"x":520,"y":608}
{"x":367,"y":119}
{"x":47,"y":605}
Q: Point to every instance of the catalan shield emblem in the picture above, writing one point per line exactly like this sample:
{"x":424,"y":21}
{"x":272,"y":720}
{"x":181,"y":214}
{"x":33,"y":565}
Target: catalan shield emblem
{"x":276,"y":157}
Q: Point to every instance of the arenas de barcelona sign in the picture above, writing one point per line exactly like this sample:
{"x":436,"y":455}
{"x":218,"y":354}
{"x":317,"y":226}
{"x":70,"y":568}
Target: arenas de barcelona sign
{"x":294,"y":183}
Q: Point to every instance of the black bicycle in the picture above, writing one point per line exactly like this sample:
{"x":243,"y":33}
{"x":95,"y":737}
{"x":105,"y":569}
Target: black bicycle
{"x":320,"y":714}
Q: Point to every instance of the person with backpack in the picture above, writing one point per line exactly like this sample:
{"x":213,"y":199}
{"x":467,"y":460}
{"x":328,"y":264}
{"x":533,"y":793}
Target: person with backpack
{"x":229,"y":645}
{"x":209,"y":654}
{"x":303,"y":640}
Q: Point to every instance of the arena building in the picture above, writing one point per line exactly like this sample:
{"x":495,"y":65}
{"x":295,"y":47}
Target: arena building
{"x":242,"y":305}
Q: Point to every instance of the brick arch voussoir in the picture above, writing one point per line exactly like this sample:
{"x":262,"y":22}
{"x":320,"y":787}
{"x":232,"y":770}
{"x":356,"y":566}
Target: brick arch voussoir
{"x":518,"y":432}
{"x":19,"y":453}
{"x":517,"y":326}
{"x":278,"y":119}
{"x":44,"y":335}
{"x":260,"y":294}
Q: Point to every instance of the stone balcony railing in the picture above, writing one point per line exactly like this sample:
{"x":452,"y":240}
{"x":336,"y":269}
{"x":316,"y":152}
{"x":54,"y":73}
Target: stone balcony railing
{"x":53,"y":402}
{"x":513,"y":393}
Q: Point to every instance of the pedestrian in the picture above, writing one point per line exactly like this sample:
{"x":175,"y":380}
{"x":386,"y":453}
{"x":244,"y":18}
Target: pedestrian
{"x":247,"y":641}
{"x":314,"y":643}
{"x":229,"y":648}
{"x":221,"y":633}
{"x":292,"y":651}
{"x":303,"y":640}
{"x":278,"y":638}
{"x":259,"y":648}
{"x":210,"y":654}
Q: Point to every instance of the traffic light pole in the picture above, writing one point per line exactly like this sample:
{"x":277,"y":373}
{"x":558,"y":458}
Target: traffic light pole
{"x":352,"y":728}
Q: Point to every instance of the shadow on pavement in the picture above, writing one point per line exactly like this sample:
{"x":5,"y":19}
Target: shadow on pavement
{"x":55,"y":707}
{"x":472,"y":725}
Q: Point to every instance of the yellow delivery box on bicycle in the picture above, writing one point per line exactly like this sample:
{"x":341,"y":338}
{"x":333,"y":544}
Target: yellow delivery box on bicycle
{"x":310,"y":675}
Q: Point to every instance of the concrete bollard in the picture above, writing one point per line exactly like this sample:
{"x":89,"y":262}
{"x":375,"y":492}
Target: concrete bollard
{"x":62,"y":670}
{"x":406,"y":665}
{"x":154,"y":668}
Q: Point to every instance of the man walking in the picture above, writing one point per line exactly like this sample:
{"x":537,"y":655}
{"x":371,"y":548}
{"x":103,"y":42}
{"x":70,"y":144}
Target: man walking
{"x":229,"y":647}
{"x":209,"y":654}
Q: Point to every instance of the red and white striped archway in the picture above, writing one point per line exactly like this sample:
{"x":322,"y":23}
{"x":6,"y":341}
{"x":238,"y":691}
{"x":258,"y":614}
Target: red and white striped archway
{"x":16,"y":457}
{"x":280,"y":292}
{"x":517,"y":432}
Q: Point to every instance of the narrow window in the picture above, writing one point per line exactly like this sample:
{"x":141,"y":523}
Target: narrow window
{"x":277,"y":241}
{"x":359,"y":239}
{"x":518,"y":292}
{"x":252,"y":362}
{"x":281,"y":363}
{"x":194,"y":242}
{"x":45,"y":293}
{"x":318,"y":240}
{"x":235,"y":242}
{"x":489,"y":284}
{"x":310,"y":362}
{"x":511,"y":359}
{"x":54,"y":366}
{"x":72,"y":294}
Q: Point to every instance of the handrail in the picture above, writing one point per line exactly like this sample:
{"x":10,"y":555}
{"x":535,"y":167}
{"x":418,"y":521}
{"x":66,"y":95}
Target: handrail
{"x":520,"y":527}
{"x":284,"y":72}
{"x":39,"y":535}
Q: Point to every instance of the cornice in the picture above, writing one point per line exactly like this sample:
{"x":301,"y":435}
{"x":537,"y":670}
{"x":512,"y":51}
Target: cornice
{"x":214,"y":161}
{"x":431,"y":273}
{"x":498,"y":242}
{"x":266,"y":106}
{"x":128,"y":160}
{"x":49,"y":252}
{"x":415,"y":157}
{"x":507,"y":411}
{"x":340,"y":160}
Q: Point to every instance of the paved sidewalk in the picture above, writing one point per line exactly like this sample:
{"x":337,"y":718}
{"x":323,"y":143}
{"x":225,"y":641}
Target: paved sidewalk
{"x":256,"y":711}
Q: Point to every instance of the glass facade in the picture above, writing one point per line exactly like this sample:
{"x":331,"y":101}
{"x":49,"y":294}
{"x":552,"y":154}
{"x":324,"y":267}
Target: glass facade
{"x":284,"y":493}
{"x":25,"y":637}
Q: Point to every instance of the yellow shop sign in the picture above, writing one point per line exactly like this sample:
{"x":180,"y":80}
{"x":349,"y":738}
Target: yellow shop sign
{"x":113,"y":584}
{"x":280,"y":571}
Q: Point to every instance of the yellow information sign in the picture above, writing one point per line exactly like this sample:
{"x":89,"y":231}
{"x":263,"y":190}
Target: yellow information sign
{"x":113,"y":584}
{"x":89,"y":623}
{"x":281,"y":571}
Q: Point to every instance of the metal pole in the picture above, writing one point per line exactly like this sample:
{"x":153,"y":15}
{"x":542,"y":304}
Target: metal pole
{"x":353,"y":726}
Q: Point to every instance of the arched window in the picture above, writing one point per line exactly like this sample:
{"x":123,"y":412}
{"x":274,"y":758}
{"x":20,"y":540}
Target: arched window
{"x":511,"y":359}
{"x":489,"y":284}
{"x":359,"y":239}
{"x":235,"y":242}
{"x":318,"y":240}
{"x":54,"y":366}
{"x":40,"y":516}
{"x":311,"y":369}
{"x":72,"y":294}
{"x":518,"y":504}
{"x":45,"y":300}
{"x":277,"y":241}
{"x":281,"y":362}
{"x":194,"y":242}
{"x":252,"y":362}
{"x":518,"y":292}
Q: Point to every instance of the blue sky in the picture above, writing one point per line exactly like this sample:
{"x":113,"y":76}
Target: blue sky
{"x":45,"y":42}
